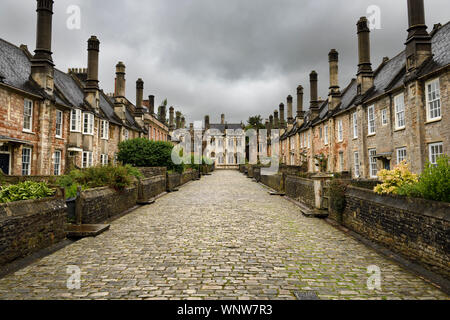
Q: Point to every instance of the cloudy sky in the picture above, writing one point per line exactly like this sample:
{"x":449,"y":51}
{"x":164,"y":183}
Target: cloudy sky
{"x":238,"y":57}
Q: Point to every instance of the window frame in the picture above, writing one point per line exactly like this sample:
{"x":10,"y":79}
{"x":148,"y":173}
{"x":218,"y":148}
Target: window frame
{"x":28,"y":104}
{"x":371,"y":124}
{"x":340,"y":131}
{"x":372,"y":163}
{"x":384,"y":117}
{"x":89,"y":160}
{"x":75,"y":119}
{"x":435,"y":155}
{"x":61,"y":124}
{"x":90,"y":124}
{"x":401,"y":150}
{"x":104,"y":159}
{"x":30,"y":158}
{"x":355,"y":125}
{"x":341,"y":161}
{"x":357,"y":164}
{"x":57,"y":163}
{"x":104,"y":129}
{"x":438,"y":99}
{"x":400,"y":121}
{"x":325,"y":135}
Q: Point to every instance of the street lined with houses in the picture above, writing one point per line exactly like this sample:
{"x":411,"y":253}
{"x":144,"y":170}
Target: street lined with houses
{"x":223,"y":237}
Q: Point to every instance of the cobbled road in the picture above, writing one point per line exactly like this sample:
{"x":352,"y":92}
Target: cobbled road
{"x":223,"y":237}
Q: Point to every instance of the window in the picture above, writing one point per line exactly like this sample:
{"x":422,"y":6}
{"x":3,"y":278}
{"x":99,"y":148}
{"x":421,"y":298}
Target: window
{"x":340,"y":131}
{"x":384,"y":118}
{"x":104,"y":159}
{"x":355,"y":125}
{"x":373,"y":163}
{"x":325,"y":135}
{"x":239,"y":142}
{"x":399,"y":103}
{"x":231,"y":158}
{"x":230,"y":143}
{"x":75,"y":120}
{"x":126,"y":134}
{"x":87,"y":159}
{"x":371,"y":119}
{"x":356,"y":158}
{"x":320,"y":133}
{"x":28,"y":115}
{"x":401,"y":155}
{"x":57,"y":163}
{"x":433,"y":97}
{"x":219,"y":144}
{"x":341,"y":161}
{"x":104,"y":129}
{"x":26,"y":161}
{"x":436,"y":150}
{"x":88,"y":123}
{"x":309,"y":139}
{"x":59,"y":123}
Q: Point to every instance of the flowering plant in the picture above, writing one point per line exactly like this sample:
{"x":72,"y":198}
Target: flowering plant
{"x":395,"y":179}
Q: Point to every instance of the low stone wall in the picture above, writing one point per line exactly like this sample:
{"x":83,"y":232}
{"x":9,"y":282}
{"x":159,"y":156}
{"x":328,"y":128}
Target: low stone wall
{"x":187,"y":176}
{"x":7,"y":180}
{"x":29,"y":226}
{"x":149,"y":172}
{"x":250,"y":170}
{"x":300,"y":189}
{"x":151,"y":187}
{"x":257,"y":173}
{"x":173,"y":181}
{"x":100,"y":204}
{"x":416,"y":228}
{"x":293,"y":170}
{"x":273,"y":181}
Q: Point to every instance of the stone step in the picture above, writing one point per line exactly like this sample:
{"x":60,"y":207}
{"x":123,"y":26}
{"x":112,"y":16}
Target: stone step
{"x":85,"y":230}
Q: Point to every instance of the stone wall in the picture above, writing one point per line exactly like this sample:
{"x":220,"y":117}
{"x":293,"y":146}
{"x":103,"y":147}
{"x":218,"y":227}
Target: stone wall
{"x":173,"y":181}
{"x":257,"y":173}
{"x":300,"y":189}
{"x":416,"y":228}
{"x":29,"y":226}
{"x":274,"y":181}
{"x":149,"y":172}
{"x":6,"y":180}
{"x":151,"y":187}
{"x":100,"y":204}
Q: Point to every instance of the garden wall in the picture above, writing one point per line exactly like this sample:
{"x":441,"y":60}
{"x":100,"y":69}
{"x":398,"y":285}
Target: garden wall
{"x":416,"y":228}
{"x":7,"y":180}
{"x":273,"y":181}
{"x":29,"y":226}
{"x":151,"y":187}
{"x":149,"y":172}
{"x":100,"y":204}
{"x":300,"y":189}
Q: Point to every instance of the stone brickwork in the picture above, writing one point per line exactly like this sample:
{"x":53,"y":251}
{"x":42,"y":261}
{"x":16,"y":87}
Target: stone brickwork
{"x":416,"y":228}
{"x":300,"y":189}
{"x":100,"y":204}
{"x":29,"y":226}
{"x":151,"y":187}
{"x":149,"y":172}
{"x":273,"y":181}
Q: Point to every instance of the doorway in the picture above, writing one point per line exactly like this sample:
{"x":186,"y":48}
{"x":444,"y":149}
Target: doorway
{"x":5,"y":162}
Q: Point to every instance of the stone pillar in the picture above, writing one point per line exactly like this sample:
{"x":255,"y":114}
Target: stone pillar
{"x":151,"y":104}
{"x":334,"y":91}
{"x":320,"y":180}
{"x":365,"y":73}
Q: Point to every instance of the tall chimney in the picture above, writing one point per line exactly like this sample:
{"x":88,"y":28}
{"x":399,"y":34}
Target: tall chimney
{"x":290,"y":109}
{"x":183,"y":122}
{"x":314,"y":104}
{"x":271,"y":123}
{"x":222,"y":119}
{"x":178,"y":119}
{"x":139,"y":97}
{"x":300,"y":112}
{"x":120,"y":80}
{"x":334,"y":92}
{"x":42,"y":71}
{"x":171,"y":118}
{"x":207,"y":124}
{"x":282,"y":121}
{"x":418,"y":44}
{"x":91,"y":90}
{"x":365,"y":73}
{"x":151,"y":104}
{"x":276,"y":120}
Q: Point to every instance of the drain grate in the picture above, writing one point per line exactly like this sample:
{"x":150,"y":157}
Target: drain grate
{"x":306,"y":295}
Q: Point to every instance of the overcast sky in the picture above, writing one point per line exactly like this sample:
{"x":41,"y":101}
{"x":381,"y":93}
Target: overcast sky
{"x":238,"y":57}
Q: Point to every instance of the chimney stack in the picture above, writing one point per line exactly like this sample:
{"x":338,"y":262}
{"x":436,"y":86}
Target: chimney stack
{"x":290,"y":117}
{"x":334,"y":92}
{"x":207,"y":125}
{"x":271,"y":121}
{"x":300,"y":112}
{"x":120,"y":80}
{"x":418,"y":44}
{"x":183,"y":122}
{"x":276,"y":120}
{"x":314,"y":104}
{"x":151,"y":104}
{"x":42,"y":71}
{"x":139,"y":111}
{"x":171,"y":118}
{"x":222,"y":119}
{"x":91,"y":90}
{"x":178,"y":119}
{"x":282,"y":121}
{"x":365,"y":73}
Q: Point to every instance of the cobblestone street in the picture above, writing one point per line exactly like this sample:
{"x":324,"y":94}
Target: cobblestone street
{"x":222,"y":237}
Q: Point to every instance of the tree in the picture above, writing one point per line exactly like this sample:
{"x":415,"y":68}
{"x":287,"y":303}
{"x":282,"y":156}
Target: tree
{"x":255,"y":122}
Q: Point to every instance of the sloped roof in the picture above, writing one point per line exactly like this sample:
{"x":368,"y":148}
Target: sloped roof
{"x":441,"y":51}
{"x":70,"y":89}
{"x":223,"y":127}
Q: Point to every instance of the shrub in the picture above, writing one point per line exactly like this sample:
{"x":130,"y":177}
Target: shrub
{"x":142,"y":152}
{"x":25,"y":191}
{"x":393,"y":180}
{"x":433,"y":183}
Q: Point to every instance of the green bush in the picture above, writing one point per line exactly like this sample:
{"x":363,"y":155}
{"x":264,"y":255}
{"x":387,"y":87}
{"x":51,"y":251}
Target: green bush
{"x":27,"y":190}
{"x":433,"y":184}
{"x":116,"y":177}
{"x":142,"y":152}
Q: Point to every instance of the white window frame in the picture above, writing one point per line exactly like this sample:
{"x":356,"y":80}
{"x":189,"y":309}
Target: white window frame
{"x":57,"y":162}
{"x":435,"y":150}
{"x":371,"y":125}
{"x":309,"y":139}
{"x":126,"y":134}
{"x":357,"y":165}
{"x":355,"y":125}
{"x":75,"y":120}
{"x":340,"y":131}
{"x":87,"y":160}
{"x":104,"y":159}
{"x":325,"y":135}
{"x":26,"y":165}
{"x":28,"y":115}
{"x":88,"y":123}
{"x":399,"y":106}
{"x":384,"y":117}
{"x":433,"y":98}
{"x":341,"y":161}
{"x":59,"y":124}
{"x":373,"y":168}
{"x":104,"y":129}
{"x":401,"y":154}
